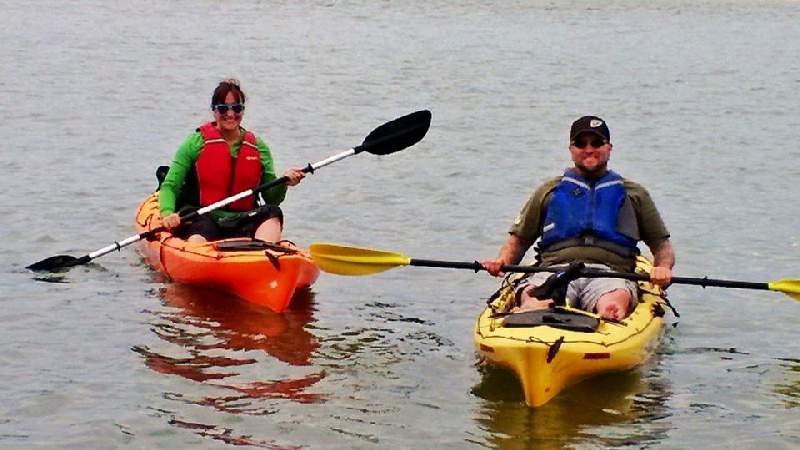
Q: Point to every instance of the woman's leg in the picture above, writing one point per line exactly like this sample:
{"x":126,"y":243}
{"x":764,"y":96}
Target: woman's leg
{"x":201,"y":229}
{"x":269,"y":230}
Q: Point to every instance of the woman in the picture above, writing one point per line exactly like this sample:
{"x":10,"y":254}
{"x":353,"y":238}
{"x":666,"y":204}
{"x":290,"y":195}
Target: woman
{"x":218,"y":160}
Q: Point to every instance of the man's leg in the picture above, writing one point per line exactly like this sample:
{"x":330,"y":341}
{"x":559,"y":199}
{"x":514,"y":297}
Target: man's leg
{"x":613,"y":305}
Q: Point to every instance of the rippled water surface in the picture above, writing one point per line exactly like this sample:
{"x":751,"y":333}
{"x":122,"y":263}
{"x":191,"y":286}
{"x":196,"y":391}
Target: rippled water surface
{"x":702,"y":100}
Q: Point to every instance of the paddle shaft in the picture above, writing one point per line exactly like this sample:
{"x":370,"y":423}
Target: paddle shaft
{"x":703,"y":282}
{"x":310,"y":168}
{"x":353,"y":260}
{"x":388,"y":138}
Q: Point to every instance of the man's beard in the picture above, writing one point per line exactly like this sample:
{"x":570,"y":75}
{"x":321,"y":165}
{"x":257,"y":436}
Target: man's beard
{"x":594,"y":172}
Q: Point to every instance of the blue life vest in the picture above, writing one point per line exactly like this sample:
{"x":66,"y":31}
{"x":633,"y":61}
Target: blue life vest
{"x":588,"y":213}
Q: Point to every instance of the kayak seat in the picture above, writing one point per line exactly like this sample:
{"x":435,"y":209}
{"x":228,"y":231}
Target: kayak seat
{"x":188,"y":194}
{"x":161,"y":174}
{"x":553,"y":317}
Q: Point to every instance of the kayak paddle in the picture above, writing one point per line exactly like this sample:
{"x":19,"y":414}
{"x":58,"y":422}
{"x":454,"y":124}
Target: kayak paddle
{"x":388,"y":138}
{"x":351,"y":260}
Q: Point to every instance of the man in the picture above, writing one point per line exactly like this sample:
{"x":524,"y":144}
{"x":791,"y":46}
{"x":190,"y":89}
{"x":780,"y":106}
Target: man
{"x":589,"y":214}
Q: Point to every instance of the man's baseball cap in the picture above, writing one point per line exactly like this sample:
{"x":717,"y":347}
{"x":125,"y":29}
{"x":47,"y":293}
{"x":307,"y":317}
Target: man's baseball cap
{"x":590,"y":124}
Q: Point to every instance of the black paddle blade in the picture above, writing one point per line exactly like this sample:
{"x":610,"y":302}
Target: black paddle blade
{"x":55,"y":263}
{"x":398,"y":134}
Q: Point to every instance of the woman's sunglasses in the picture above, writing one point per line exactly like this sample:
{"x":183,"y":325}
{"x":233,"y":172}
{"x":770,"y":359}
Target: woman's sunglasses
{"x":582,"y":143}
{"x":223,"y":108}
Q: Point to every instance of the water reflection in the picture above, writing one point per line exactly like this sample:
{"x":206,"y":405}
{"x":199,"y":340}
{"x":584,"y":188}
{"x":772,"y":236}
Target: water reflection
{"x":227,"y":345}
{"x":225,"y":435}
{"x":787,"y":384}
{"x":601,"y":411}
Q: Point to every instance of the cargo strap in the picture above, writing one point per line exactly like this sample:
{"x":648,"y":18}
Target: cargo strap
{"x":258,"y":245}
{"x":252,"y":245}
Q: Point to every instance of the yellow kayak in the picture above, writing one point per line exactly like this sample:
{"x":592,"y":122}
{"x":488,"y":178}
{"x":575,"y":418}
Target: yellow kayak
{"x":552,"y":349}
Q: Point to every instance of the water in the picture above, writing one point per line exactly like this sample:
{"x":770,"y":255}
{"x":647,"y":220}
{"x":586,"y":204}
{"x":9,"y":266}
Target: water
{"x":701,"y":98}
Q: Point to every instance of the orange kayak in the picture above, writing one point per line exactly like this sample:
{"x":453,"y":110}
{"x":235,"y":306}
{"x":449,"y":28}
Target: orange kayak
{"x":259,"y":272}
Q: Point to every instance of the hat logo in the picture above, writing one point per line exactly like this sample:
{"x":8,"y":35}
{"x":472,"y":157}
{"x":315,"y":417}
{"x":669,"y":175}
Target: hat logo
{"x":595,"y":123}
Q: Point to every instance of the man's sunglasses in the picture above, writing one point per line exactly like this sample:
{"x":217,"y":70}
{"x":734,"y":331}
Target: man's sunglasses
{"x":223,"y":108}
{"x":582,"y":143}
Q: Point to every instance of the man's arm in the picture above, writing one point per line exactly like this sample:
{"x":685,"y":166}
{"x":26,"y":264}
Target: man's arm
{"x":663,"y":261}
{"x":511,"y":252}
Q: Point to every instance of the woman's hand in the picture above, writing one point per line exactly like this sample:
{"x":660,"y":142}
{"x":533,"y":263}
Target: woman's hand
{"x":171,"y":221}
{"x":294,"y":175}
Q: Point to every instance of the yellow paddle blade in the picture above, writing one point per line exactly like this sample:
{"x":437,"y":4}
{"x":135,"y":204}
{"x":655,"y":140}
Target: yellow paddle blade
{"x":350,"y":260}
{"x":789,"y":286}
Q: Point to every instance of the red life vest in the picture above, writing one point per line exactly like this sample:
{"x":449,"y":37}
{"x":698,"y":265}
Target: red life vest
{"x":219,"y":175}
